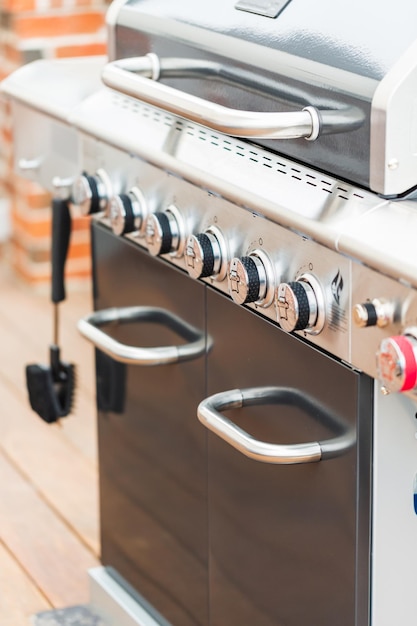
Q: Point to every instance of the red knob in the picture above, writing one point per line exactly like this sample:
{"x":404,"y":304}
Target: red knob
{"x":397,"y":363}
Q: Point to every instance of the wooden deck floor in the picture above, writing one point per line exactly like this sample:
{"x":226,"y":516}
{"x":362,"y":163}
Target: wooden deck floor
{"x":48,"y":473}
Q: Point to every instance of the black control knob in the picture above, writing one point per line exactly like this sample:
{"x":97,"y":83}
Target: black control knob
{"x":297,"y":306}
{"x":164,"y":232}
{"x":91,"y":193}
{"x":247,"y":279}
{"x":203,"y":256}
{"x":377,"y":312}
{"x":127,"y":212}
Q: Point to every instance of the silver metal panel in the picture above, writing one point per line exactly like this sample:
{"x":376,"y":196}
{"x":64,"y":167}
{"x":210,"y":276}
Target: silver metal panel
{"x":54,"y":87}
{"x":393,"y":163}
{"x":43,"y":93}
{"x":44,"y":147}
{"x":385,"y":240}
{"x":231,"y":45}
{"x":314,"y":30}
{"x":111,"y":20}
{"x":394,"y":526}
{"x":368,"y":285}
{"x":115,"y":605}
{"x":290,"y":194}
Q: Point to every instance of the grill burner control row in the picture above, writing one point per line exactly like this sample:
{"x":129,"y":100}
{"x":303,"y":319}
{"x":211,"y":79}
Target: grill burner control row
{"x":300,"y":304}
{"x":251,"y":278}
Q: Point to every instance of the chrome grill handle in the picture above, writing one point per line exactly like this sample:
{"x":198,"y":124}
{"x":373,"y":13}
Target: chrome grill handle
{"x":89,"y":327}
{"x":210,"y":410}
{"x":138,"y":78}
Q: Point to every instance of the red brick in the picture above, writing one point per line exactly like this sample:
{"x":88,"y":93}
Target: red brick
{"x":81,"y":50}
{"x":55,"y":25}
{"x":15,"y":6}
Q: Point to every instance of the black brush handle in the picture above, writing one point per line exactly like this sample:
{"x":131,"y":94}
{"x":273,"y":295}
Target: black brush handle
{"x":61,"y":232}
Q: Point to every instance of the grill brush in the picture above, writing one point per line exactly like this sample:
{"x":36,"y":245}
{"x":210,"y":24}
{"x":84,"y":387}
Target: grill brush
{"x":51,"y":388}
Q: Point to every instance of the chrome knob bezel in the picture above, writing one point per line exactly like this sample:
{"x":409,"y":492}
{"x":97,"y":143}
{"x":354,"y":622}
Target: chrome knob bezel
{"x":83,"y":196}
{"x":154,"y":234}
{"x":194,"y":255}
{"x":238,"y":272}
{"x":377,"y":312}
{"x":118,"y":214}
{"x":315,"y":300}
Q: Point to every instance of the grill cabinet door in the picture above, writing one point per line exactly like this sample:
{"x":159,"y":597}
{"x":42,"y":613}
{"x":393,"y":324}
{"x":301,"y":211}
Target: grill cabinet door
{"x":152,"y":450}
{"x":288,"y":545}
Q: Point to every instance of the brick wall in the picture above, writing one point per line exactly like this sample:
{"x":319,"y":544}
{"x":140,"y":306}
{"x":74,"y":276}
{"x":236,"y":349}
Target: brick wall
{"x":30,"y":30}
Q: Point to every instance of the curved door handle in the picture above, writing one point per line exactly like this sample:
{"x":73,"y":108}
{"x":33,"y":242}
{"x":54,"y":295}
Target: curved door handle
{"x":159,"y":355}
{"x":210,"y":414}
{"x":138,"y":76}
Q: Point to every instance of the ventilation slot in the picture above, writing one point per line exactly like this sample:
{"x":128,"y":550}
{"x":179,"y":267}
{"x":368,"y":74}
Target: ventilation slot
{"x":257,"y":158}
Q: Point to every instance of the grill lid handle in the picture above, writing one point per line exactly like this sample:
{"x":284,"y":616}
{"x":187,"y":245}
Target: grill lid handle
{"x":210,"y":411}
{"x":137,"y":77}
{"x":195,"y":346}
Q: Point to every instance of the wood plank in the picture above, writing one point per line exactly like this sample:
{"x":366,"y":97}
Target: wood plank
{"x":19,"y":596}
{"x":66,"y":479}
{"x":23,"y":346}
{"x":30,"y":316}
{"x":41,"y":542}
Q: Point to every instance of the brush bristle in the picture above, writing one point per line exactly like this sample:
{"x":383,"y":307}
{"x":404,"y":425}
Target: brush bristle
{"x":51,"y":399}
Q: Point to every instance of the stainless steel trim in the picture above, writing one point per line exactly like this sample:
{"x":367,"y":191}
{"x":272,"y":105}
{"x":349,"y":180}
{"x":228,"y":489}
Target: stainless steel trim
{"x":270,"y":281}
{"x":134,"y":77}
{"x":134,"y":355}
{"x":210,"y":410}
{"x":62,"y":187}
{"x":54,"y":86}
{"x":299,"y":68}
{"x":29,"y":165}
{"x":315,"y":120}
{"x":155,"y":64}
{"x":111,"y":600}
{"x":216,"y":232}
{"x":178,"y":230}
{"x":111,"y":20}
{"x":393,"y":549}
{"x":393,"y":140}
{"x":118,"y":215}
{"x":320,"y":303}
{"x":104,"y":183}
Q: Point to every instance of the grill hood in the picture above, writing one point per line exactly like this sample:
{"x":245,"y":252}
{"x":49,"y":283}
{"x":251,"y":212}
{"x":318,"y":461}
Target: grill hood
{"x":355,"y":68}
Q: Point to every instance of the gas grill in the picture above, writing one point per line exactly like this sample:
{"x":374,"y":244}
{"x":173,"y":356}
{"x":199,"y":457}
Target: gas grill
{"x":249,"y":169}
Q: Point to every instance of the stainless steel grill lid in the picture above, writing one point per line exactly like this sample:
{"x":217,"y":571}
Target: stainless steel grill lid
{"x":353,"y":67}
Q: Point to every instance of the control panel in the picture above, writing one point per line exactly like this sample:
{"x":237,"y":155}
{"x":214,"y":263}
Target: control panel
{"x":359,"y":315}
